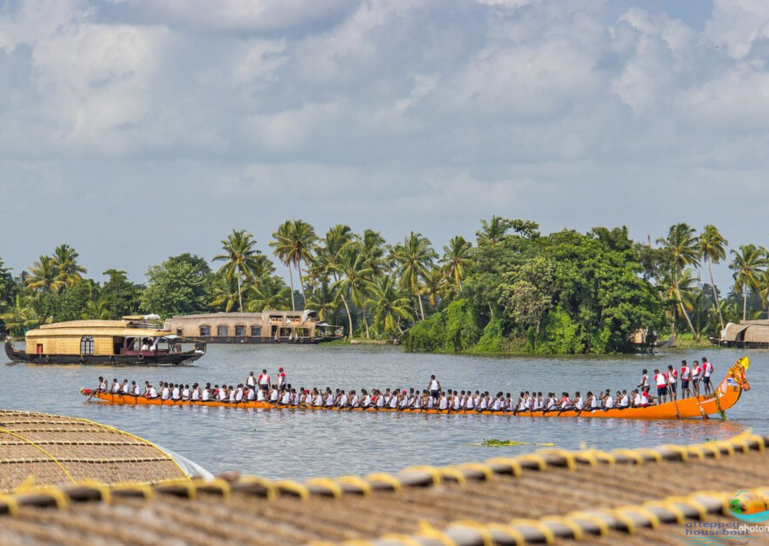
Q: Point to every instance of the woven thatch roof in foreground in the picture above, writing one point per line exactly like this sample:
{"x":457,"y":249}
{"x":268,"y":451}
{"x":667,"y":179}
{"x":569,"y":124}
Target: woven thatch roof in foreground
{"x":621,"y":497}
{"x":54,"y":450}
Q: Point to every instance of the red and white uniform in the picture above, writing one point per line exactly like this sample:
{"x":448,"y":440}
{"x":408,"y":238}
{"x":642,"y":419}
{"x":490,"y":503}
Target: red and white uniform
{"x":661,"y":379}
{"x":672,"y":377}
{"x":686,"y":374}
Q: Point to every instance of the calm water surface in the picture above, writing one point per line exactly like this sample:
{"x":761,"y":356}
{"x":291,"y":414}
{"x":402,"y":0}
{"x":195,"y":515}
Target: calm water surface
{"x":302,"y":444}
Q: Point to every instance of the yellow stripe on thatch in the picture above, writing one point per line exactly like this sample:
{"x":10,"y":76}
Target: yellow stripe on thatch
{"x":33,"y":444}
{"x":138,"y":439}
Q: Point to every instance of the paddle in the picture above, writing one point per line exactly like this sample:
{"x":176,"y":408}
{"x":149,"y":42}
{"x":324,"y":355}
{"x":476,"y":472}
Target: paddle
{"x":675,"y":405}
{"x":702,"y":410}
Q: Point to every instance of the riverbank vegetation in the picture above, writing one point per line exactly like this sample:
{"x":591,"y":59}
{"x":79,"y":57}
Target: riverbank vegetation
{"x":511,"y":289}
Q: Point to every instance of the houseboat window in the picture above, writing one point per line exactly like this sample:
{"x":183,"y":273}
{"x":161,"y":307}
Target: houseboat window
{"x":240,"y":331}
{"x":86,"y":345}
{"x":205,"y":331}
{"x":256,"y":331}
{"x":221,"y":331}
{"x":179,"y":332}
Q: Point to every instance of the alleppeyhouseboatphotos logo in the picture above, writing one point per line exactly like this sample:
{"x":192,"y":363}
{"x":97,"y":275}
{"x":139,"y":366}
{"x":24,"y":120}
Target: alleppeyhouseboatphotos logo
{"x":751,"y":513}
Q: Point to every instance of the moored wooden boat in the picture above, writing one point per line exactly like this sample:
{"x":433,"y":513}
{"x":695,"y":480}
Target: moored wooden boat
{"x":726,"y":395}
{"x":132,"y":340}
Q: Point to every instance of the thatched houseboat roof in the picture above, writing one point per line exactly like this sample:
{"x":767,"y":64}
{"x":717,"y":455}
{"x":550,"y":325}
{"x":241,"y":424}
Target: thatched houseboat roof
{"x":643,"y":496}
{"x":747,"y":331}
{"x":49,"y":450}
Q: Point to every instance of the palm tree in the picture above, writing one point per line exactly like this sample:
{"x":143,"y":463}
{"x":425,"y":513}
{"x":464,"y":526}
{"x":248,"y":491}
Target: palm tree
{"x":95,"y":309}
{"x":747,"y":266}
{"x":711,"y":249}
{"x":270,"y":293}
{"x":373,"y":248}
{"x":225,"y":293}
{"x":434,"y":287}
{"x":323,"y":299}
{"x":337,"y":237}
{"x":240,"y":257}
{"x":293,"y":243}
{"x":389,"y":306}
{"x":44,"y":276}
{"x":20,"y":316}
{"x":65,"y":260}
{"x":414,"y":257}
{"x":457,"y":259}
{"x":492,"y":232}
{"x":682,"y":245}
{"x":353,"y":273}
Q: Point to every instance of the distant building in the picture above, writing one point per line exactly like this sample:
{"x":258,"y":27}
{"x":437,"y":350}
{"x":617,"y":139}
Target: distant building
{"x":267,"y":327}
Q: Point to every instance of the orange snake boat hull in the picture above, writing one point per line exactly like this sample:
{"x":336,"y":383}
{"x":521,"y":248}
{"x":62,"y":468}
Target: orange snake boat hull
{"x":726,"y":395}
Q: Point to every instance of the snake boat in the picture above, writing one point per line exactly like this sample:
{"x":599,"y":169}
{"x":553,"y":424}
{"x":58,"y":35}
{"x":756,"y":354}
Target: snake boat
{"x":725,"y":396}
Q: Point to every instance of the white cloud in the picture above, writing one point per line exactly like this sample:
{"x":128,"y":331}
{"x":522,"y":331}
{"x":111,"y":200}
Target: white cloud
{"x":235,"y":15}
{"x":738,"y":24}
{"x":375,"y":109}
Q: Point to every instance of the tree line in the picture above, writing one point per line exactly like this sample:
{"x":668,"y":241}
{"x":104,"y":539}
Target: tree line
{"x":511,"y":289}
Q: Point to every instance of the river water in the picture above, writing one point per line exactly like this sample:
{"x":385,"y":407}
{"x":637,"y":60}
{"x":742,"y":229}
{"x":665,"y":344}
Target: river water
{"x":303,"y":444}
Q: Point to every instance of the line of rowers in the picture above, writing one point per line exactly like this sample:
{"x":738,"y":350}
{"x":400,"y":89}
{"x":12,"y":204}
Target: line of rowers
{"x":434,"y":397}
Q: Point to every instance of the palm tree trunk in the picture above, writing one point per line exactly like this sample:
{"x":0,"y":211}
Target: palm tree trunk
{"x":421,"y":309}
{"x":349,"y":315}
{"x":365,"y":321}
{"x":683,"y":310}
{"x":744,"y":303}
{"x":715,"y":296}
{"x":240,"y":295}
{"x":301,"y":283}
{"x":291,"y":280}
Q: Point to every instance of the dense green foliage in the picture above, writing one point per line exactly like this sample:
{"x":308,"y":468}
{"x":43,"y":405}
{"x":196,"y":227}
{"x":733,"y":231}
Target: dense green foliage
{"x":512,"y":289}
{"x":563,"y":293}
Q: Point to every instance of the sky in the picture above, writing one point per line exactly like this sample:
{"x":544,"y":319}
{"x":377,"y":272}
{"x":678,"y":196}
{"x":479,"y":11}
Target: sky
{"x":134,"y":130}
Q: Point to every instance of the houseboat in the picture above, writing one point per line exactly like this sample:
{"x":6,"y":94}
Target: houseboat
{"x":748,"y":334}
{"x":132,"y":340}
{"x":266,"y":327}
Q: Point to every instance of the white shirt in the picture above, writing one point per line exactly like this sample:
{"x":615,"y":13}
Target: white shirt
{"x":434,"y":385}
{"x":153,"y":392}
{"x":251,"y":381}
{"x":443,"y":403}
{"x":286,"y":398}
{"x":343,"y":400}
{"x":260,"y":395}
{"x":175,"y":394}
{"x":609,"y":402}
{"x":708,"y":369}
{"x":196,"y":394}
{"x":166,"y":393}
{"x":206,"y":395}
